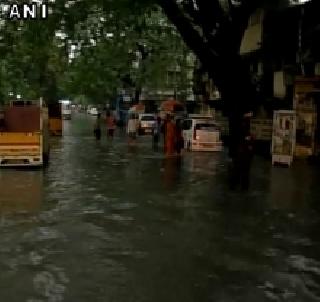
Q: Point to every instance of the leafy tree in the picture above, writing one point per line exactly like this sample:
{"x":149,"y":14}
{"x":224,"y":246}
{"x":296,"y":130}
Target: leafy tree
{"x":214,"y":29}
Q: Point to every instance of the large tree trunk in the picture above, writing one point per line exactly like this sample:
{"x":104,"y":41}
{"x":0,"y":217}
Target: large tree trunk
{"x":219,"y":55}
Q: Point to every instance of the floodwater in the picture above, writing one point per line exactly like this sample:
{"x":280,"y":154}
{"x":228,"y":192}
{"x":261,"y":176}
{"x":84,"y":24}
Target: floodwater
{"x":105,"y":222}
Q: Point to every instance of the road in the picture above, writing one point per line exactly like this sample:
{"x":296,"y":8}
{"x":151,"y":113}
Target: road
{"x":105,"y":222}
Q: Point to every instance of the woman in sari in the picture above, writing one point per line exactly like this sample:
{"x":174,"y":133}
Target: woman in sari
{"x":170,"y":137}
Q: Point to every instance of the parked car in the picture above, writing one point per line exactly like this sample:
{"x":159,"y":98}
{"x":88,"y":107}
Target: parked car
{"x":94,"y":111}
{"x":201,"y":134}
{"x":146,"y":123}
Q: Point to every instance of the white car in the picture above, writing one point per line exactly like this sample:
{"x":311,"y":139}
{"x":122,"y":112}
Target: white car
{"x":146,"y":122}
{"x":94,"y":111}
{"x":201,"y":134}
{"x":66,"y":112}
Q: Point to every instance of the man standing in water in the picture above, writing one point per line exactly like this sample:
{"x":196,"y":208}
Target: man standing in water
{"x":111,"y":125}
{"x":132,"y":128}
{"x":179,"y":137}
{"x":97,"y":127}
{"x":156,"y":130}
{"x":242,"y":159}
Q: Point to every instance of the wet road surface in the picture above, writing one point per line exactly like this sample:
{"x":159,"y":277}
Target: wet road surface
{"x":107,"y":223}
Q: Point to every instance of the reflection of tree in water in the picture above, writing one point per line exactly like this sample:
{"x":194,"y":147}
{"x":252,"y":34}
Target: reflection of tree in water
{"x":20,"y":191}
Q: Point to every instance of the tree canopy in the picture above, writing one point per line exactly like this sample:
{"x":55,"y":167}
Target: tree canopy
{"x":87,"y":47}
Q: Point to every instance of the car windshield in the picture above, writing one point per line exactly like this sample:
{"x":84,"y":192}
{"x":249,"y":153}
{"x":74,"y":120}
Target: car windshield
{"x":206,"y":126}
{"x":147,"y":118}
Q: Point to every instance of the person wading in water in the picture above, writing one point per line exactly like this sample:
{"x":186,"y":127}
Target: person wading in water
{"x":156,"y":130}
{"x":97,"y":127}
{"x":111,"y":125}
{"x":242,"y":159}
{"x":179,"y":137}
{"x":170,"y":137}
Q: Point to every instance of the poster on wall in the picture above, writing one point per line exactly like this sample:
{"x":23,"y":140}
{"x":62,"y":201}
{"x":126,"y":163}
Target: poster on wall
{"x":283,"y":136}
{"x":306,"y":109}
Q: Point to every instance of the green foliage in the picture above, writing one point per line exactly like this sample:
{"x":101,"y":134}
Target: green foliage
{"x":35,"y":61}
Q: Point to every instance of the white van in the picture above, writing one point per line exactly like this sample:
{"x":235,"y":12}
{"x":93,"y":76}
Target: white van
{"x":201,"y":135}
{"x":146,"y":122}
{"x":94,"y":111}
{"x":66,"y":109}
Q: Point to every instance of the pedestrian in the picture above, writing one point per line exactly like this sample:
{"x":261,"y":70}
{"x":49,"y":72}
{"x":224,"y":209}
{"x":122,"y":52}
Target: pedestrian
{"x":111,"y":125}
{"x":132,"y":128}
{"x":242,"y":158}
{"x":170,"y":136}
{"x":179,"y":137}
{"x":97,"y":127}
{"x":156,"y":130}
{"x":163,"y":131}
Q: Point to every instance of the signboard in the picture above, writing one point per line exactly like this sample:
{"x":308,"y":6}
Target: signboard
{"x":284,"y":136}
{"x":306,"y":109}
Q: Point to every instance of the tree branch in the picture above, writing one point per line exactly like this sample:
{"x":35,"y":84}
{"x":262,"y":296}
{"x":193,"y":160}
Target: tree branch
{"x":191,"y":35}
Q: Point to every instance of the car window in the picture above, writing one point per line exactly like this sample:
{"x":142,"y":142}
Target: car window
{"x":206,"y":126}
{"x":147,"y":118}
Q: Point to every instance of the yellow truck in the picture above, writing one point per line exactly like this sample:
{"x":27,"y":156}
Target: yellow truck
{"x":24,"y":135}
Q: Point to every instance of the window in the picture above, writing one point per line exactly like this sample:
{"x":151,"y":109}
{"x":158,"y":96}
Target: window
{"x":206,"y":126}
{"x":147,"y":118}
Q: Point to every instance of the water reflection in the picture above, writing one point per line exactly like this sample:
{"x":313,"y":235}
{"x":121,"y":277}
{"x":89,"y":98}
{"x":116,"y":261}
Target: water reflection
{"x":20,"y":191}
{"x":108,"y":224}
{"x":171,"y":171}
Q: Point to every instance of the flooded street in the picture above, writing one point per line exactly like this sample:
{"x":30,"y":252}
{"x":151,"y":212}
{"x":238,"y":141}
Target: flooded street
{"x":107,"y":223}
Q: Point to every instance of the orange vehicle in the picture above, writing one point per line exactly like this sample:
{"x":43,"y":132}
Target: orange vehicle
{"x":55,"y":119}
{"x":24,"y":135}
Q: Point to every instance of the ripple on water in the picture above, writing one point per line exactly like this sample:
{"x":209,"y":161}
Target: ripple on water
{"x":43,"y":233}
{"x":303,"y":264}
{"x":119,"y":218}
{"x":51,"y":284}
{"x":124,"y":206}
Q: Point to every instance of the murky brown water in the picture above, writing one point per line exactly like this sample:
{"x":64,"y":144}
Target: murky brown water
{"x":108,"y":223}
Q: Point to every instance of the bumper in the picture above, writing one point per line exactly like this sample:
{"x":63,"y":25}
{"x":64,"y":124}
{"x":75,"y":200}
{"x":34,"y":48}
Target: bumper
{"x":207,"y":147}
{"x":145,"y":130}
{"x":21,"y":161}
